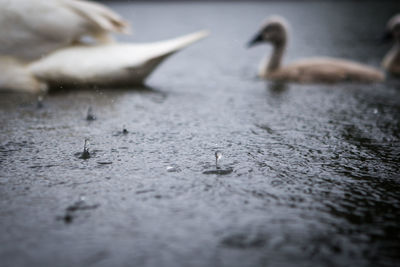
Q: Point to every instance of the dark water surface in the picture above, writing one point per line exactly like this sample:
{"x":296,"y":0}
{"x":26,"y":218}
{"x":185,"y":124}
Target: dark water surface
{"x":309,"y":175}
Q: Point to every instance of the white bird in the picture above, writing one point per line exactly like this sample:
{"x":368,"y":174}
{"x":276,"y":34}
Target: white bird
{"x":30,"y":29}
{"x":313,"y":70}
{"x":391,"y":61}
{"x":42,"y":46}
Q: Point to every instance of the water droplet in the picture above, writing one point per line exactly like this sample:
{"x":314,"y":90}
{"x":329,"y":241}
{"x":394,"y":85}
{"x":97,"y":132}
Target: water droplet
{"x":85,"y":154}
{"x":173,"y":169}
{"x":90,"y":116}
{"x":39,"y":103}
{"x":218,"y":156}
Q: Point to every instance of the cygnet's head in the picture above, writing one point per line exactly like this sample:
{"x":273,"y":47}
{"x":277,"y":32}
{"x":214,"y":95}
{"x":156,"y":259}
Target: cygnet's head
{"x":393,"y":28}
{"x":274,"y":31}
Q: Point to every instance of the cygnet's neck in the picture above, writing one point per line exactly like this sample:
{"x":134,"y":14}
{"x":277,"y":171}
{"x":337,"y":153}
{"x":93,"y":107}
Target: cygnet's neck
{"x":275,"y":60}
{"x":396,"y":50}
{"x":392,"y":59}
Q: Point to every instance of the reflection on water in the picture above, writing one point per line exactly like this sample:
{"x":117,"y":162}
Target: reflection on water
{"x":309,"y":174}
{"x":277,"y":88}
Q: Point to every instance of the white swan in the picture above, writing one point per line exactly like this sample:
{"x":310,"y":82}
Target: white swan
{"x":314,"y":70}
{"x":30,"y":29}
{"x":391,"y":61}
{"x":116,"y":64}
{"x":41,"y":46}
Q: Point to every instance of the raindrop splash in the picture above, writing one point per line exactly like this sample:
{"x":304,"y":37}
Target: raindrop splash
{"x":90,"y":116}
{"x":218,"y":156}
{"x":39,"y":103}
{"x":85,"y":154}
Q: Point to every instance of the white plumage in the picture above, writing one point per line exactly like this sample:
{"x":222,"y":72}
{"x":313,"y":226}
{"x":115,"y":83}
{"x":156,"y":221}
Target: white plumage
{"x":118,"y":64}
{"x":41,"y":46}
{"x":30,"y":29}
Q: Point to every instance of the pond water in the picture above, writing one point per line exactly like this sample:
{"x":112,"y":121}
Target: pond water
{"x":309,"y":175}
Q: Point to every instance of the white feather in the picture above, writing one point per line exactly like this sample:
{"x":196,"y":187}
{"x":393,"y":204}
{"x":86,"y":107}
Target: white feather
{"x":116,"y":64}
{"x":31,"y":29}
{"x":40,"y":46}
{"x":120,"y":64}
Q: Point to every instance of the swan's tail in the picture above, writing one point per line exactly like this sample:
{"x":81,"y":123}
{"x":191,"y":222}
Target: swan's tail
{"x":162,"y":50}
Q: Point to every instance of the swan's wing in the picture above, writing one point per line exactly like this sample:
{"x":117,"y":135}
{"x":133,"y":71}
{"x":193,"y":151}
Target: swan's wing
{"x":33,"y":28}
{"x":111,"y":64}
{"x":102,"y":17}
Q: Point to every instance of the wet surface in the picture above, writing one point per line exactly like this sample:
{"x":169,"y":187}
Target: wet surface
{"x":310,"y":173}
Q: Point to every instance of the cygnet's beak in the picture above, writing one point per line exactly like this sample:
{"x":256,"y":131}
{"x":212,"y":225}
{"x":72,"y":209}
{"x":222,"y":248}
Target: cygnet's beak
{"x":256,"y":40}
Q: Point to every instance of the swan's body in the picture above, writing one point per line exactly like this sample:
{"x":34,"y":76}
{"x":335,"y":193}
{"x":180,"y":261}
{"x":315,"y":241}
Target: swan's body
{"x":119,"y":64}
{"x":313,"y":70}
{"x":30,"y":29}
{"x":324,"y":70}
{"x":116,"y":64}
{"x":391,"y":61}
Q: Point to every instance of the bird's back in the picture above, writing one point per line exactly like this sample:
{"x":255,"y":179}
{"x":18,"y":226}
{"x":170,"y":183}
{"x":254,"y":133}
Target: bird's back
{"x":326,"y":70}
